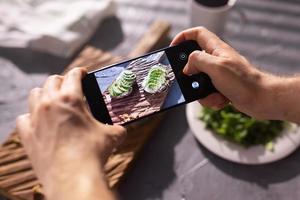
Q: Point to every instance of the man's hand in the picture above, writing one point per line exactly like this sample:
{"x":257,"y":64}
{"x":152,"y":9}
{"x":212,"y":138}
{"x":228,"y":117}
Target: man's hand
{"x":66,"y":145}
{"x":248,"y":89}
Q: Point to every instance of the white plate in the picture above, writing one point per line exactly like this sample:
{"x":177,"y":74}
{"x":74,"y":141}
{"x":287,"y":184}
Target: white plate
{"x":283,"y":145}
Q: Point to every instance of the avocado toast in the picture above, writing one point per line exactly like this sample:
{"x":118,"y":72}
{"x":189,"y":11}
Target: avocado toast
{"x":123,"y":85}
{"x":156,"y":79}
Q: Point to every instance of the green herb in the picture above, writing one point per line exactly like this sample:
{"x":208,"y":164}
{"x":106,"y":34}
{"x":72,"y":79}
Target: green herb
{"x":240,"y":128}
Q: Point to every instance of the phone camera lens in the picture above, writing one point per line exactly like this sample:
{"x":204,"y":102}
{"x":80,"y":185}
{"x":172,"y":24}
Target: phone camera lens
{"x":195,"y":85}
{"x":182,"y":56}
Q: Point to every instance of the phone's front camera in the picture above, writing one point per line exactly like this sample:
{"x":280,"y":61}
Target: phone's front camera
{"x":182,"y":56}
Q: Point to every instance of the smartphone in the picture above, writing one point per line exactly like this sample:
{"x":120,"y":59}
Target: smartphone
{"x":125,"y":92}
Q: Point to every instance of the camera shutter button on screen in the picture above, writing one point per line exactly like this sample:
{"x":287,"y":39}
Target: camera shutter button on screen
{"x":195,"y":85}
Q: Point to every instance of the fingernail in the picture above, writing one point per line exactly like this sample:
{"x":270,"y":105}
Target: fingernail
{"x":186,"y":71}
{"x":218,"y":101}
{"x":197,"y":52}
{"x":219,"y":106}
{"x":84,"y":70}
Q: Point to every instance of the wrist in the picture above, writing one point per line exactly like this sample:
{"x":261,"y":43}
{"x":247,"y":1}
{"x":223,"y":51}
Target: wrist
{"x":77,"y":179}
{"x":281,"y":98}
{"x":288,"y":95}
{"x":64,"y":181}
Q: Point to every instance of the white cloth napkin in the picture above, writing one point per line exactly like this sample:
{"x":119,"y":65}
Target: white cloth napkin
{"x":58,"y":27}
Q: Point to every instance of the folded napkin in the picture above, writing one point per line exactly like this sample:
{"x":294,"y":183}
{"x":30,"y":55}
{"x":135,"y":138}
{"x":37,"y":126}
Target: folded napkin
{"x":58,"y":27}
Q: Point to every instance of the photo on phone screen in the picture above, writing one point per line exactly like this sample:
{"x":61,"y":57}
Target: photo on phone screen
{"x":127,"y":91}
{"x":138,"y":88}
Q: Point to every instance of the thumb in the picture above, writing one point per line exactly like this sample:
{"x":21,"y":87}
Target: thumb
{"x":200,"y":61}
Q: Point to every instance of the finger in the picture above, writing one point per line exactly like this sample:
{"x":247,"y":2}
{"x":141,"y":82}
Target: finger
{"x":35,"y":96}
{"x":117,"y":133}
{"x":200,"y":61}
{"x":23,"y":126}
{"x":219,"y":107}
{"x":215,"y":101}
{"x":52,"y":84}
{"x":71,"y":83}
{"x":206,"y":39}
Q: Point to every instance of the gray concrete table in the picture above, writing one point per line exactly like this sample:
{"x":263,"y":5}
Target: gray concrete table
{"x":173,"y":165}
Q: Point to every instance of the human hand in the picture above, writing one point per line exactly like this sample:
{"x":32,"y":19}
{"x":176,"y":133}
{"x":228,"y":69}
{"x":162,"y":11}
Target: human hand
{"x":65,"y":144}
{"x":234,"y":77}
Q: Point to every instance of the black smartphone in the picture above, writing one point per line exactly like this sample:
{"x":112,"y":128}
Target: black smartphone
{"x":136,"y":88}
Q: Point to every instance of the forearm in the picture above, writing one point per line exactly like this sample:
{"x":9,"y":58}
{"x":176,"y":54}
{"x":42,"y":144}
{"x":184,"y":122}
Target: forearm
{"x":94,"y":188}
{"x":283,"y":98}
{"x":85,"y":182}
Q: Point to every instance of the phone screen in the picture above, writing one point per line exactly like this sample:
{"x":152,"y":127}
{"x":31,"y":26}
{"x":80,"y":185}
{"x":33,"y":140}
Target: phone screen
{"x":140,"y":87}
{"x":134,"y":89}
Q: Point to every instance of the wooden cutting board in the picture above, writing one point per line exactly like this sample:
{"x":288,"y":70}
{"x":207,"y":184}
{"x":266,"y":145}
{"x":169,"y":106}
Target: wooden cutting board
{"x":17,"y":179}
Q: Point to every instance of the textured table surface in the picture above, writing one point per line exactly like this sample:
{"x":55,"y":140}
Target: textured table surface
{"x":173,"y":165}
